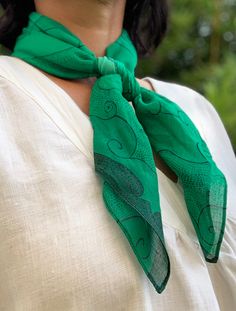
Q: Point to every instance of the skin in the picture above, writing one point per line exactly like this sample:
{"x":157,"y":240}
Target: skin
{"x":97,"y":23}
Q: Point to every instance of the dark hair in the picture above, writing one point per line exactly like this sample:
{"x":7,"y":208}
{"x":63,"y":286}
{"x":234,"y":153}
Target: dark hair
{"x":145,"y":20}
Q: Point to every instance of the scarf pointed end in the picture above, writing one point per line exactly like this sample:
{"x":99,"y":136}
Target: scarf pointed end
{"x":160,"y":287}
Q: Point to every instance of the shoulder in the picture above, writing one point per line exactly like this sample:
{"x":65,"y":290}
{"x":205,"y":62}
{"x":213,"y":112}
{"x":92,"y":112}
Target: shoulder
{"x":211,"y":127}
{"x":194,"y":104}
{"x":7,"y":67}
{"x":191,"y":101}
{"x":9,"y":74}
{"x":201,"y":111}
{"x":14,"y":69}
{"x":16,"y":90}
{"x":8,"y":85}
{"x":15,"y":77}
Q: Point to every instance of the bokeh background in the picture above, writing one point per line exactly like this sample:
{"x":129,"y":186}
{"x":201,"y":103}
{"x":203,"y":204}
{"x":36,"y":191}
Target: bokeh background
{"x":199,"y":51}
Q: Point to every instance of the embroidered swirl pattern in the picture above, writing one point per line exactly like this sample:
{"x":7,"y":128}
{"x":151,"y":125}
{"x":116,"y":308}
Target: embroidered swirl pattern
{"x":125,"y":138}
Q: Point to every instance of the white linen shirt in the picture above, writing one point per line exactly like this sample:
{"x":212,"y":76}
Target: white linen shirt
{"x":60,"y":249}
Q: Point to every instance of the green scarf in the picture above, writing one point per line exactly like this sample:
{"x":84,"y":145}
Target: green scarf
{"x":123,"y":140}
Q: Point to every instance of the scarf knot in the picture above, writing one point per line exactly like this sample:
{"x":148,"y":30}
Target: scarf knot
{"x":108,"y":66}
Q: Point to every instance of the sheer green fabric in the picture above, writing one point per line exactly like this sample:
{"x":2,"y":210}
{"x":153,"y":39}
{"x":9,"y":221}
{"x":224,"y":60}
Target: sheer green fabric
{"x":124,"y":137}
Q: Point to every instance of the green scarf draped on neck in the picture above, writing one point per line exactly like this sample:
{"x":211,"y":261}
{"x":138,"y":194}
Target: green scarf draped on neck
{"x":124,"y":136}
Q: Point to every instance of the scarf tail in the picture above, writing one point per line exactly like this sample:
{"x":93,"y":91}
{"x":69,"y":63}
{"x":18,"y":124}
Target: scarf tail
{"x":146,"y":242}
{"x":124,"y":160}
{"x":176,"y":139}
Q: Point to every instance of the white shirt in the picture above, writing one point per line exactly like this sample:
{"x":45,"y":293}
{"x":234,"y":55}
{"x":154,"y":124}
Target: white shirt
{"x":60,"y":249}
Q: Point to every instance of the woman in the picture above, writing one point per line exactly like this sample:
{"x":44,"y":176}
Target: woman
{"x":61,"y":249}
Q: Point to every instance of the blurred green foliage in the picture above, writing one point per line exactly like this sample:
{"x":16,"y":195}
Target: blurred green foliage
{"x":199,"y":51}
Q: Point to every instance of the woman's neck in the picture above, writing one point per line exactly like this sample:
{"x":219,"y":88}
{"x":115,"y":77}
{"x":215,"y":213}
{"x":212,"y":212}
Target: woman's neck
{"x":96,"y":22}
